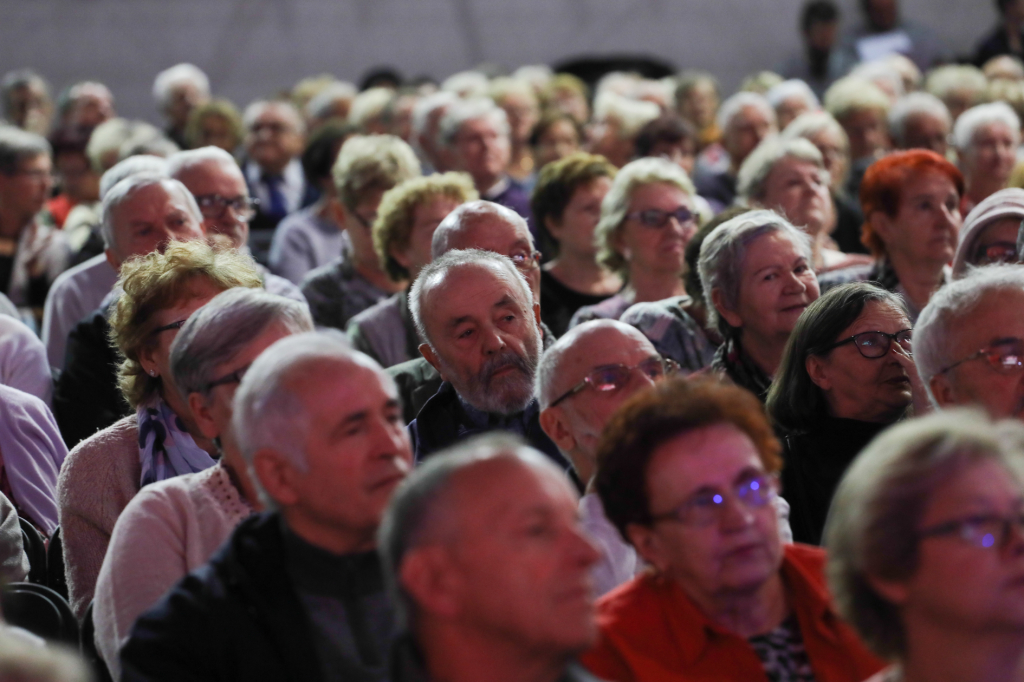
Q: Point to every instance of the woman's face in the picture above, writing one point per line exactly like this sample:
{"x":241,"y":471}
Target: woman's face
{"x":868,"y":389}
{"x":700,"y":104}
{"x":557,"y":142}
{"x":833,"y":150}
{"x":425,"y":219}
{"x":575,"y":231}
{"x":992,"y":154}
{"x":658,"y":249}
{"x":708,"y":549}
{"x":776,"y":286}
{"x":989,"y":579}
{"x":215,"y":130}
{"x":799,"y":190}
{"x":927,"y":222}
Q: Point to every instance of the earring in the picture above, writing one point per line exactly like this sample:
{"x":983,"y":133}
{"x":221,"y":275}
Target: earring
{"x":152,"y":373}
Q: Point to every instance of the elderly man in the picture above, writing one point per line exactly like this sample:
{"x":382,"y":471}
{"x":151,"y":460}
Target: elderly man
{"x":296,"y":593}
{"x":25,"y":97}
{"x":969,"y":342}
{"x":481,"y":330}
{"x":489,"y":567}
{"x":920,"y":121}
{"x":140,"y":215}
{"x":214,"y":179}
{"x":177,"y":91}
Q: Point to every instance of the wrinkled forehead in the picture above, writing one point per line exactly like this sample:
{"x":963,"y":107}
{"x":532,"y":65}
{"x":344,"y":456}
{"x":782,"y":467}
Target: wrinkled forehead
{"x":468,"y":288}
{"x":213,"y":177}
{"x":489,"y":232}
{"x":159,"y":199}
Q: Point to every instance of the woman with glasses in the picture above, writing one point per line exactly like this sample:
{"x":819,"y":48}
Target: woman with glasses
{"x":846,"y":375}
{"x":173,"y":526}
{"x":926,"y":548}
{"x":687,"y":474}
{"x":990,"y":230}
{"x":647,"y":219}
{"x":160,"y":439}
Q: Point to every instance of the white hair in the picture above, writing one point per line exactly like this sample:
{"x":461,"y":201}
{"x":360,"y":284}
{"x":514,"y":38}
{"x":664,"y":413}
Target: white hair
{"x":179,"y":74}
{"x":256,"y":109}
{"x":944,"y":81}
{"x":851,"y":94}
{"x":127,"y":188}
{"x":182,"y":162}
{"x":913,"y":104}
{"x":758,"y":165}
{"x":882,"y":74}
{"x":936,"y":328}
{"x":426,"y":105}
{"x":734,"y":106}
{"x":145,"y":138}
{"x":630,"y":115}
{"x":465,"y":216}
{"x":794,"y":87}
{"x":468,"y":84}
{"x":537,"y":75}
{"x":463,"y":111}
{"x":810,"y":123}
{"x":133,"y":165}
{"x":369,"y":104}
{"x":975,"y":118}
{"x":322,"y":102}
{"x":107,"y":137}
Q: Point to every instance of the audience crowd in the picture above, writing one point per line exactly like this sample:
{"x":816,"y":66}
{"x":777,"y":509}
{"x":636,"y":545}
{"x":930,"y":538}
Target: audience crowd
{"x":522,"y":376}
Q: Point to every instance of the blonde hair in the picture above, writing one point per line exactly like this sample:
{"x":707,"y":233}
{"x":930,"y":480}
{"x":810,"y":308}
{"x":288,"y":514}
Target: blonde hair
{"x":397,"y":213}
{"x":158,"y":281}
{"x":853,"y":93}
{"x":368,"y":162}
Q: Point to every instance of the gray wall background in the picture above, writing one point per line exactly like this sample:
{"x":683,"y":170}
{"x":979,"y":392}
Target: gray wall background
{"x":253,"y":48}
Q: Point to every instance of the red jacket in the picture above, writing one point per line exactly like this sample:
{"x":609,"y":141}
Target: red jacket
{"x":652,"y":632}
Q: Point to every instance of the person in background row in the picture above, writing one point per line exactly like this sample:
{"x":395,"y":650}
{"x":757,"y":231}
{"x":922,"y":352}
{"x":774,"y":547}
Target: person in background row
{"x":846,"y":375}
{"x":556,"y":136}
{"x":311,"y":237}
{"x":687,"y":473}
{"x":489,"y":568}
{"x":862,"y":109}
{"x":518,"y":100}
{"x":330,"y":105}
{"x":790,"y":99}
{"x":14,"y":563}
{"x":885,"y":30}
{"x":617,"y":122}
{"x":568,"y":94}
{"x":408,"y":216}
{"x":366,"y":168}
{"x":696,"y":101}
{"x":669,"y":137}
{"x":298,"y":592}
{"x":159,"y":439}
{"x":216,"y":123}
{"x":566,"y":208}
{"x":959,"y":86}
{"x":426,"y":124}
{"x":1007,"y":38}
{"x":25,"y":97}
{"x":931,"y":504}
{"x":986,"y":139}
{"x":819,"y":63}
{"x":78,"y":182}
{"x":920,"y":120}
{"x":23,"y":363}
{"x":85,"y":104}
{"x":989,"y":232}
{"x":177,"y":91}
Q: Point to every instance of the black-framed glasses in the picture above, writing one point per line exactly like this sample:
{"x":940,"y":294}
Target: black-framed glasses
{"x":1005,"y":355}
{"x":874,"y":345}
{"x":706,"y":506}
{"x":178,"y":324}
{"x":657,"y":219}
{"x":613,"y":377}
{"x":987,"y":531}
{"x":996,"y":252}
{"x":213,"y":205}
{"x":232,"y":378}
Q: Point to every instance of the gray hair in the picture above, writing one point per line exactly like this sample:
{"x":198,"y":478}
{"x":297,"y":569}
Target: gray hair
{"x":368,"y":162}
{"x":133,"y":165}
{"x":256,"y":109}
{"x":973,"y":119}
{"x":22,"y":78}
{"x":416,"y":515}
{"x":944,"y":81}
{"x":810,"y":123}
{"x":912,"y":105}
{"x":629,"y":115}
{"x":423,"y":108}
{"x":794,"y":87}
{"x":179,"y":74}
{"x":105,"y":138}
{"x":724,"y":250}
{"x":881,"y":73}
{"x":759,"y":164}
{"x":468,"y":84}
{"x":17,"y":145}
{"x":224,"y":327}
{"x":145,"y":138}
{"x":435,"y":273}
{"x":937,"y":325}
{"x":873,"y":527}
{"x":322,"y":103}
{"x":463,"y":111}
{"x":370,"y":104}
{"x":734,"y":106}
{"x":615,"y":205}
{"x":468,"y":214}
{"x":853,"y":93}
{"x":126,"y":189}
{"x":184,"y":161}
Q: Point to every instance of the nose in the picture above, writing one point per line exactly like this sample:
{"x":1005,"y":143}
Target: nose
{"x":492,"y":340}
{"x":582,"y":548}
{"x":735,"y":514}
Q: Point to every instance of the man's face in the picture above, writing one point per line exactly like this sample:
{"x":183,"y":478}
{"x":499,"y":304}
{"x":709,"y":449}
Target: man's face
{"x":745,"y":132}
{"x":482,"y":150}
{"x":924,"y":131}
{"x":867,"y":130}
{"x":25,"y":192}
{"x":184,"y":98}
{"x":997,"y":317}
{"x":213,"y":181}
{"x":520,"y":561}
{"x":30,"y":108}
{"x":273,"y":139}
{"x":484,"y":337}
{"x":77,"y":178}
{"x":147,"y":220}
{"x":491,"y":232}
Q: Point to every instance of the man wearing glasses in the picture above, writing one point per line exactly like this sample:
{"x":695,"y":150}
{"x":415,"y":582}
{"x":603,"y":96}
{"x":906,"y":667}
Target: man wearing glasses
{"x":969,"y":342}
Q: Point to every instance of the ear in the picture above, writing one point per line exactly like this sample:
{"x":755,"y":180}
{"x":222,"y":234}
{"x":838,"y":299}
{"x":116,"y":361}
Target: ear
{"x":338,"y":212}
{"x":427,"y":575}
{"x":536,"y":317}
{"x":648,"y":545}
{"x":881,"y":225}
{"x":147,"y":357}
{"x":114,"y":261}
{"x":400,"y":255}
{"x":201,"y":413}
{"x":553,"y":424}
{"x":277,"y":476}
{"x":817,"y":370}
{"x":942,"y":389}
{"x":428,"y":353}
{"x":892,"y":591}
{"x":619,"y":243}
{"x":554,"y":227}
{"x":728,"y":315}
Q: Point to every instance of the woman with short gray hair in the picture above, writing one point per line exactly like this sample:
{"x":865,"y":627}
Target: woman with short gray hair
{"x":986,"y":137}
{"x":757,"y":277}
{"x":926,"y":548}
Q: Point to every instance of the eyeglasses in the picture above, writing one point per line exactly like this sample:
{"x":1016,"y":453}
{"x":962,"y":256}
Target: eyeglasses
{"x":213,"y":205}
{"x":706,"y":507}
{"x":997,"y":252}
{"x":526,"y":261}
{"x":613,"y":377}
{"x":233,"y":378}
{"x":874,"y":345}
{"x":985,"y":531}
{"x":652,"y":217}
{"x":1005,"y":355}
{"x":167,"y":327}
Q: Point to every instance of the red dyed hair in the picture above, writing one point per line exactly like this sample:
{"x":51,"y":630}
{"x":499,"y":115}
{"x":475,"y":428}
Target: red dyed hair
{"x":883,"y":183}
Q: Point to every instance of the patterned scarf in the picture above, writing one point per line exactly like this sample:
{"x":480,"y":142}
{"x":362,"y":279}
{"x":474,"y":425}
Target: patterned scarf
{"x":166,"y":449}
{"x":734,"y":363}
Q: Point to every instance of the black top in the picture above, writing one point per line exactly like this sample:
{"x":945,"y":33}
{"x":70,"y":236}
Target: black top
{"x":995,"y":44}
{"x":558,"y":302}
{"x":849,"y":223}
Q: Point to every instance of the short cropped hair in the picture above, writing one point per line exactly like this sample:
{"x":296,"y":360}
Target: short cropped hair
{"x":372,"y":162}
{"x":629,"y":115}
{"x":369,"y":105}
{"x":185,"y":161}
{"x":945,"y":81}
{"x":18,"y":145}
{"x":467,"y":215}
{"x":975,"y":118}
{"x":177,"y":75}
{"x":912,"y":105}
{"x":322,"y":103}
{"x":133,"y":165}
{"x":556,"y":185}
{"x":734,"y":106}
{"x":126,"y":189}
{"x":256,"y":109}
{"x":756,"y":168}
{"x":851,"y":94}
{"x":794,"y":87}
{"x":461,"y":112}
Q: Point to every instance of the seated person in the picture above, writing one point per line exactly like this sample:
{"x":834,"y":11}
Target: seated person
{"x":790,"y":99}
{"x":295,"y":593}
{"x":920,"y":121}
{"x":986,"y":139}
{"x":687,"y":473}
{"x":160,"y":439}
{"x":989,"y":232}
{"x":669,"y":137}
{"x":408,"y":216}
{"x":924,"y":548}
{"x":862,"y":109}
{"x":484,"y":549}
{"x":14,"y":565}
{"x":367,"y":167}
{"x":172,"y":527}
{"x":23,"y":363}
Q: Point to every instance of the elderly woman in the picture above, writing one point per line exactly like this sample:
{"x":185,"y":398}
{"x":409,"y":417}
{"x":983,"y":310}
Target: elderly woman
{"x":791,"y":99}
{"x":556,"y":136}
{"x":846,"y":375}
{"x":989,"y":233}
{"x":519,"y":100}
{"x":862,"y":109}
{"x":925,"y":548}
{"x":408,"y":215}
{"x":160,"y":440}
{"x":911,"y":206}
{"x":647,"y":219}
{"x":669,"y":137}
{"x":686,"y":473}
{"x":174,"y":526}
{"x":566,"y":208}
{"x":986,"y":138}
{"x":216,"y":123}
{"x":757,"y":276}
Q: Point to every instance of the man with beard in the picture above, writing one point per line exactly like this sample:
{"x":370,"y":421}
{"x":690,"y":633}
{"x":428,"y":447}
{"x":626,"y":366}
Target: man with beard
{"x":481,"y":329}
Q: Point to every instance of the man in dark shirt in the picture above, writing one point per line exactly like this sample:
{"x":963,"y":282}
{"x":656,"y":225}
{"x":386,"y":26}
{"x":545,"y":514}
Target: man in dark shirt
{"x":297,"y":593}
